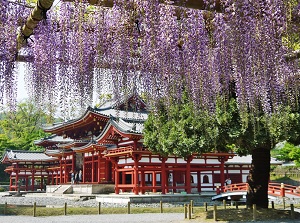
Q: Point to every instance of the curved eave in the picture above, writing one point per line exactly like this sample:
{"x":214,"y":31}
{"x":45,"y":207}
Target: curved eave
{"x":58,"y":153}
{"x":33,"y":160}
{"x":86,"y":119}
{"x":89,"y":148}
{"x":75,"y":144}
{"x":126,"y":133}
{"x":52,"y":140}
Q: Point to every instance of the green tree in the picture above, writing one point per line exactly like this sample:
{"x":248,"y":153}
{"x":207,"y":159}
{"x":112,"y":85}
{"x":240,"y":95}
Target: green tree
{"x":287,"y":152}
{"x":180,"y":130}
{"x":18,"y":129}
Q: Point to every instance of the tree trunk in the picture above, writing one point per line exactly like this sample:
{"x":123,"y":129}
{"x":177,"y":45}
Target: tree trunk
{"x":258,"y":179}
{"x":36,"y":15}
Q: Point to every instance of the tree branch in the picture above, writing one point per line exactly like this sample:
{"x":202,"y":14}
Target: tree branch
{"x":36,"y":15}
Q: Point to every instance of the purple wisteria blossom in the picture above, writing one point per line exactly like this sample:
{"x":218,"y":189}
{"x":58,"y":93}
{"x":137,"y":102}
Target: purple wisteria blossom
{"x":155,"y":48}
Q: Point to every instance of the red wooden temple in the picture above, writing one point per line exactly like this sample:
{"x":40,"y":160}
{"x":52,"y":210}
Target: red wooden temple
{"x":105,"y":144}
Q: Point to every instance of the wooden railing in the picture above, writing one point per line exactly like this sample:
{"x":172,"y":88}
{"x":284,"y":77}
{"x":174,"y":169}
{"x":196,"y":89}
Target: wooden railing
{"x":275,"y":189}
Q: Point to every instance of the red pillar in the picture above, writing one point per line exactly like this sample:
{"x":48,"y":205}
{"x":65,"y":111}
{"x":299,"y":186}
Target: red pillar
{"x":154,"y":181}
{"x":83,"y":168}
{"x":163,"y":176}
{"x":116,"y":177}
{"x":99,"y":165}
{"x":60,"y":170}
{"x":26,"y":183}
{"x":142,"y":181}
{"x":198,"y":181}
{"x":10,"y":181}
{"x":135,"y":176}
{"x":32,"y":179}
{"x":17,"y":180}
{"x":66,"y":173}
{"x":188,"y":175}
{"x":93,"y":167}
{"x":222,"y":172}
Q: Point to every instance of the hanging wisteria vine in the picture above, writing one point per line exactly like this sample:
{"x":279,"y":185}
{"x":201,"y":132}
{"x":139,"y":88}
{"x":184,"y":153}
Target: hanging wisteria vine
{"x":155,"y":47}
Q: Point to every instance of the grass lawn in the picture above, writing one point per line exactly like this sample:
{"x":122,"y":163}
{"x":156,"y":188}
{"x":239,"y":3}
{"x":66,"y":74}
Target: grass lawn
{"x":223,"y":215}
{"x":47,"y":211}
{"x":242,"y":214}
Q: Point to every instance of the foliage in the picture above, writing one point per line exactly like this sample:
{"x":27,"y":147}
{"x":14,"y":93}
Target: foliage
{"x":288,"y":152}
{"x":181,"y":130}
{"x":18,"y":129}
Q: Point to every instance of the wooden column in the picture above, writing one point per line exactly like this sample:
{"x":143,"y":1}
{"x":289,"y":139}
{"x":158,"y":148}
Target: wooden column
{"x":198,"y":181}
{"x":116,"y":175}
{"x":32,"y":178}
{"x":26,"y":183}
{"x":65,"y":171}
{"x":135,"y":176}
{"x":17,"y":178}
{"x":163,"y":176}
{"x":222,"y":172}
{"x":143,"y":181}
{"x":93,"y":167}
{"x":99,"y":167}
{"x":42,"y":182}
{"x":83,"y":168}
{"x":60,"y":170}
{"x":10,"y":181}
{"x":188,"y":175}
{"x":154,"y":181}
{"x":108,"y":169}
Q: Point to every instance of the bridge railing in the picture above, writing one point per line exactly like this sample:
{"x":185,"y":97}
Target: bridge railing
{"x":281,"y":189}
{"x":275,"y":189}
{"x":235,"y":187}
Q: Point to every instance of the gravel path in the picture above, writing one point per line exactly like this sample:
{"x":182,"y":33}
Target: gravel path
{"x":107,"y":218}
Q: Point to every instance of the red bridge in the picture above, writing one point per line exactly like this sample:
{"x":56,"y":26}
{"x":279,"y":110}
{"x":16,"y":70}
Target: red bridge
{"x":275,"y":190}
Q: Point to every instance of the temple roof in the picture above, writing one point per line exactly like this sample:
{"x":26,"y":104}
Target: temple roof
{"x":22,"y":155}
{"x":52,"y":140}
{"x":128,"y":114}
{"x":248,"y":160}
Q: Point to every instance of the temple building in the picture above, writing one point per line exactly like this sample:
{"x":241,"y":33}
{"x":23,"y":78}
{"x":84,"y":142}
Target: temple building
{"x":105,"y":146}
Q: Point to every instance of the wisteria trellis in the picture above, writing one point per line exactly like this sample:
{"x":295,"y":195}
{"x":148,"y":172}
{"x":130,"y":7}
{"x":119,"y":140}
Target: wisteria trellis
{"x":156,"y":48}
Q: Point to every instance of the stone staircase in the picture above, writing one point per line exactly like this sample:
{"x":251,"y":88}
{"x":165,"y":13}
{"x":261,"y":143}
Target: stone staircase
{"x":63,"y":189}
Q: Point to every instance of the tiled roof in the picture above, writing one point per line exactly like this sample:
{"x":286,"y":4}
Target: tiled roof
{"x":19,"y":155}
{"x":54,"y":139}
{"x":123,"y":114}
{"x":248,"y":160}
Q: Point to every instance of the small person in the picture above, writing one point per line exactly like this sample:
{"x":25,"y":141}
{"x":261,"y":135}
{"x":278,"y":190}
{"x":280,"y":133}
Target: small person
{"x":80,"y":176}
{"x":228,"y":181}
{"x":72,"y":177}
{"x":76,"y":178}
